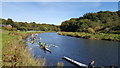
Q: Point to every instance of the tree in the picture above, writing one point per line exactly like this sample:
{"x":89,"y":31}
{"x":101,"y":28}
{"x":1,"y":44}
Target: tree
{"x":9,"y":21}
{"x":93,"y":22}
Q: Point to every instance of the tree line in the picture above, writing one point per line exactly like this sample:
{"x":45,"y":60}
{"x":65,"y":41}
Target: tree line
{"x":25,"y":26}
{"x":101,"y":22}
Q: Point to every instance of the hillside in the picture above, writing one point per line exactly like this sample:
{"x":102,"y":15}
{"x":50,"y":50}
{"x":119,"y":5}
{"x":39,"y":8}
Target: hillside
{"x":100,"y":22}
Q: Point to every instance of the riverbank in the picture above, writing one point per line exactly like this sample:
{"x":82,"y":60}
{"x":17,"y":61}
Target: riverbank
{"x":0,"y":48}
{"x":96,"y":36}
{"x":14,"y":52}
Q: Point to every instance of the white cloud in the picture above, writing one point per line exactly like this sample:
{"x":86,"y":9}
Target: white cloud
{"x":60,"y":0}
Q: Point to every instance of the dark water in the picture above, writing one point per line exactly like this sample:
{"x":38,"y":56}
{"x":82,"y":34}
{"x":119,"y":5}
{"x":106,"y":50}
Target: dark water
{"x":83,"y":50}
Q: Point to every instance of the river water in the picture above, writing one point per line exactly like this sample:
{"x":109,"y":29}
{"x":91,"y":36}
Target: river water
{"x":82,"y":50}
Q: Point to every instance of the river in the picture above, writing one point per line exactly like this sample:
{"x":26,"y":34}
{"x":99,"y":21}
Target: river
{"x":82,"y":50}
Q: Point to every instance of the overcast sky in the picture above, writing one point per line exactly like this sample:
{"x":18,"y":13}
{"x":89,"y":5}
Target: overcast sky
{"x":52,"y":12}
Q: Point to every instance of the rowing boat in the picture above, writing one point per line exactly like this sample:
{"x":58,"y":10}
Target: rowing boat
{"x":75,"y":62}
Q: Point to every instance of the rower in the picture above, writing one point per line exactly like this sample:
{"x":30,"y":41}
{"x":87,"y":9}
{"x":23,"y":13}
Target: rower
{"x":44,"y":47}
{"x":41,"y":44}
{"x":91,"y":64}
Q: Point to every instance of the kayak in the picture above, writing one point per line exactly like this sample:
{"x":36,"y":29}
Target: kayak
{"x":75,"y":62}
{"x":48,"y":50}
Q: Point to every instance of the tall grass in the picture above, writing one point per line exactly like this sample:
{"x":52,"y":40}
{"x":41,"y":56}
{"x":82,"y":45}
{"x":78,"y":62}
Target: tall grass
{"x":14,"y":52}
{"x":0,"y":48}
{"x":98,"y":36}
{"x":60,"y":65}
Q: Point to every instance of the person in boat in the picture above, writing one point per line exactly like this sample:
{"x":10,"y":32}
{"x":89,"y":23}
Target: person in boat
{"x":36,"y":34}
{"x":91,"y":64}
{"x":41,"y":44}
{"x":44,"y":47}
{"x":33,"y":38}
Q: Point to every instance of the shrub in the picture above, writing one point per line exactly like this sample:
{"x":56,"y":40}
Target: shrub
{"x":90,"y":30}
{"x":14,"y":29}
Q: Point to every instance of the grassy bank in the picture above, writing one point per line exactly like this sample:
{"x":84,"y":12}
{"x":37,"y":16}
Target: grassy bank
{"x":0,"y":48}
{"x":14,"y":52}
{"x":97,"y":36}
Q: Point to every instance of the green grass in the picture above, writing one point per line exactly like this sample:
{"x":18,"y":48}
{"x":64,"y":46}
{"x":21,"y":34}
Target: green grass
{"x":97,"y":36}
{"x":14,"y":52}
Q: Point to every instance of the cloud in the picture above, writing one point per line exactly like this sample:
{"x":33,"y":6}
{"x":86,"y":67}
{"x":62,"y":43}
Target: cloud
{"x":60,"y":0}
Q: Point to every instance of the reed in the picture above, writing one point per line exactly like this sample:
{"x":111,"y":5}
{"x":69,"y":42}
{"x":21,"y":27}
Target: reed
{"x":97,"y":36}
{"x":14,"y":52}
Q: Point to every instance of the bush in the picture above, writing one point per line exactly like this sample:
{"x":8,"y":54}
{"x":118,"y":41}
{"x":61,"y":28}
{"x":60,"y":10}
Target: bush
{"x":90,"y":30}
{"x":14,"y":29}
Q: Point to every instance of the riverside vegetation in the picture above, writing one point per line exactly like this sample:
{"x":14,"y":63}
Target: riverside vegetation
{"x":0,"y":48}
{"x":14,"y":52}
{"x":97,"y":36}
{"x":103,"y":25}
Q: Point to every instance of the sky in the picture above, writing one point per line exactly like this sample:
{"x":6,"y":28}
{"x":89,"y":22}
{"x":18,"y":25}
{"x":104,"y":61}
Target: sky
{"x":52,"y":12}
{"x":60,"y":0}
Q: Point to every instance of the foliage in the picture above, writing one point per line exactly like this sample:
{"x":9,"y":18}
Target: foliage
{"x":102,"y":22}
{"x":25,"y":26}
{"x":90,"y":30}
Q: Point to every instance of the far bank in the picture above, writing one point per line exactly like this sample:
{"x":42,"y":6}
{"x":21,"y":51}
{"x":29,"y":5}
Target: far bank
{"x":96,"y":36}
